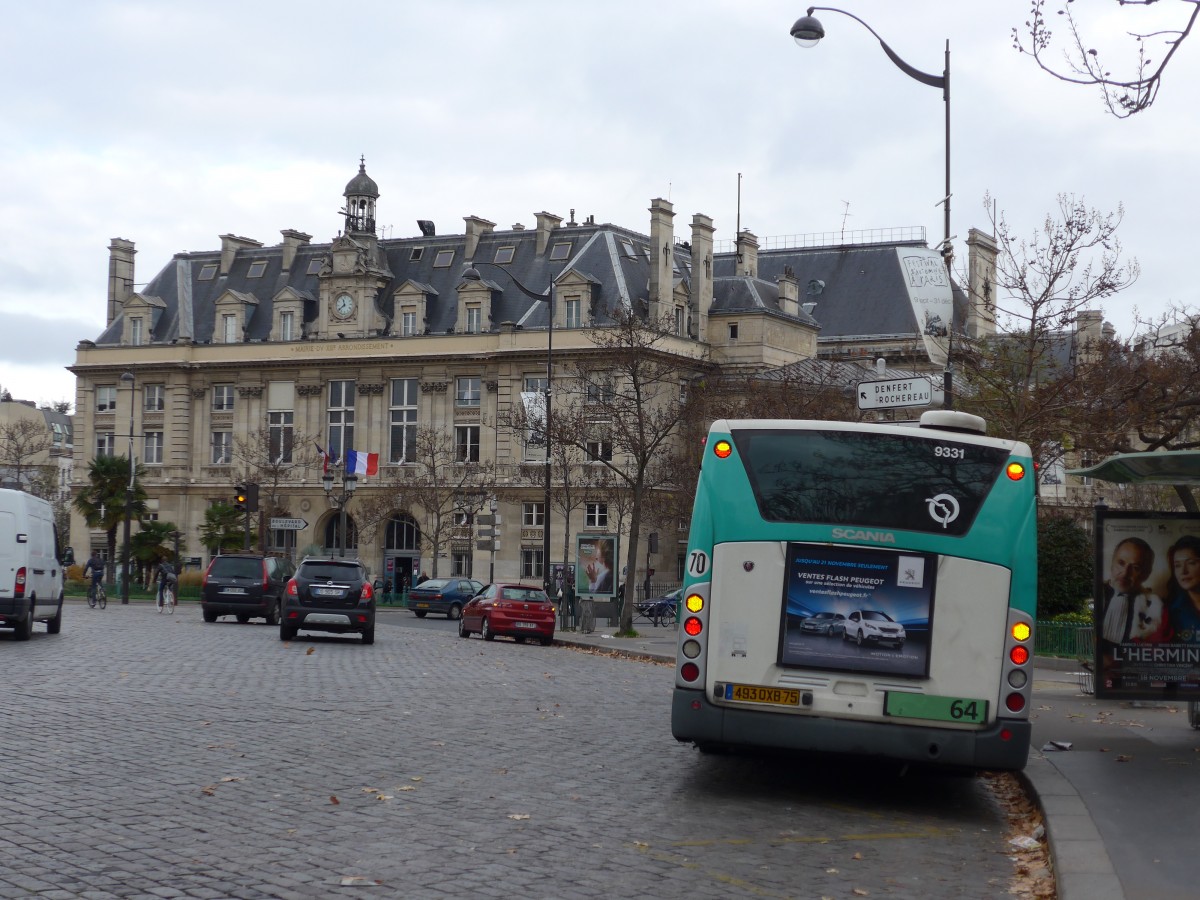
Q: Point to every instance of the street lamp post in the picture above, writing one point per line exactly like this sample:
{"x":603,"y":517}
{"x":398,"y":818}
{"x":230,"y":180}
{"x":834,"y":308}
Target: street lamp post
{"x":807,"y":31}
{"x":472,"y":274}
{"x":128,"y":378}
{"x":339,"y":501}
{"x":493,"y":505}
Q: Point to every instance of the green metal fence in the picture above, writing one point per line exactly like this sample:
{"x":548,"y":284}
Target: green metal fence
{"x":1066,"y":639}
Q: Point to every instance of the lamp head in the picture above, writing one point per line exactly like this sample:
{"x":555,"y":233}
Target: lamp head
{"x":807,"y":31}
{"x":351,"y":483}
{"x":127,"y":377}
{"x":327,"y":482}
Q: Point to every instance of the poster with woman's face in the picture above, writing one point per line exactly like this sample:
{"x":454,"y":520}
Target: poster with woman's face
{"x":595,"y":565}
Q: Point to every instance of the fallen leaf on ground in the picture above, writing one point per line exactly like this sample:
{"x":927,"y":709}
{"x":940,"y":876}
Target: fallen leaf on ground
{"x":310,"y":651}
{"x":519,"y":816}
{"x":1124,"y":757}
{"x":857,"y":856}
{"x":208,"y":790}
{"x":861,"y":892}
{"x":358,"y":881}
{"x":406,"y":787}
{"x":334,"y":800}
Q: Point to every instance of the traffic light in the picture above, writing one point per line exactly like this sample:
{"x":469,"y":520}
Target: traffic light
{"x":240,"y":498}
{"x":252,"y":498}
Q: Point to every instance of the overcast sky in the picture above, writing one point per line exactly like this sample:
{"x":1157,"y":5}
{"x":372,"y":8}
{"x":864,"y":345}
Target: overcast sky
{"x":170,"y":123}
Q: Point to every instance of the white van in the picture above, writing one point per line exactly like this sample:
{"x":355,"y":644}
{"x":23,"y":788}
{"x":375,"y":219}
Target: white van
{"x":31,"y":577}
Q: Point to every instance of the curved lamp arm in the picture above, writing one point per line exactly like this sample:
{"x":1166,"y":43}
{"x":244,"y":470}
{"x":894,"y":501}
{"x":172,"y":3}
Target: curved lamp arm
{"x":472,"y":274}
{"x":807,"y":31}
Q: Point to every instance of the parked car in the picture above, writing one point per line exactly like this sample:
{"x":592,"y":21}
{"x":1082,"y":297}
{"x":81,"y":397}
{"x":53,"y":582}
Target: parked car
{"x":31,"y":577}
{"x":661,"y":609}
{"x":329,"y":595}
{"x":446,"y":596}
{"x":826,"y":623}
{"x":518,"y":610}
{"x":871,"y":625}
{"x":246,"y":585}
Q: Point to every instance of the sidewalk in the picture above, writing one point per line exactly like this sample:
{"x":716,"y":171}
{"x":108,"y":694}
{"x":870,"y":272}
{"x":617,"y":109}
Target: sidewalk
{"x":1120,"y":799}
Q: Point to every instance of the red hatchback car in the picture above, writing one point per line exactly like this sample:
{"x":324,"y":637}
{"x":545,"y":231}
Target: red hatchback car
{"x":517,"y":610}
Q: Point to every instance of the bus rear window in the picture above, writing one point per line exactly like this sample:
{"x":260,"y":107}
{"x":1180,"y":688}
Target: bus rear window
{"x":870,"y":480}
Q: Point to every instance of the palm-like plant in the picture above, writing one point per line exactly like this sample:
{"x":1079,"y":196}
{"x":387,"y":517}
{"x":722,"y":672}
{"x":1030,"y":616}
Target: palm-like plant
{"x":222,"y":529}
{"x":153,"y":543}
{"x":101,"y":501}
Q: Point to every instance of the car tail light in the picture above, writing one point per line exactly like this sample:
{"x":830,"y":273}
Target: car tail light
{"x":204,"y":580}
{"x":367,"y":591}
{"x":266,"y":577}
{"x":19,"y":592}
{"x":292,"y":589}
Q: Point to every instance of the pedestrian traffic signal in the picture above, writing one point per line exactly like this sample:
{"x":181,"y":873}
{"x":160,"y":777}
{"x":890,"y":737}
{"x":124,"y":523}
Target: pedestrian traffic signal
{"x":252,"y":498}
{"x":240,"y":498}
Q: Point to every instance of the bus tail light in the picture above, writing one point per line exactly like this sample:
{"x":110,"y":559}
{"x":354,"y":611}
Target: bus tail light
{"x":1019,"y":655}
{"x":1015,"y":702}
{"x":693,"y":626}
{"x":694,"y":603}
{"x":689,"y":671}
{"x":722,"y":449}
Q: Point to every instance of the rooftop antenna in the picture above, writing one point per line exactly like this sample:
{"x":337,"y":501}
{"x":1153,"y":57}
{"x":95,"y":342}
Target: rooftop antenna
{"x":738,"y":233}
{"x":845,"y":215}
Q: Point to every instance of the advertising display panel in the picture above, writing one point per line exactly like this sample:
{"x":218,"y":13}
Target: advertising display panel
{"x":858,"y":609}
{"x":1146,"y":611}
{"x":595,"y":566}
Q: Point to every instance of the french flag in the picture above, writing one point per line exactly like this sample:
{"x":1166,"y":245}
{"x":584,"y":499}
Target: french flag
{"x":362,"y":463}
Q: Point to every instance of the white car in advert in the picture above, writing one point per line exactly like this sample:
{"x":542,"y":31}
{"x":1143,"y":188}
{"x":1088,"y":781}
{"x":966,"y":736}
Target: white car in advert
{"x":872,"y":626}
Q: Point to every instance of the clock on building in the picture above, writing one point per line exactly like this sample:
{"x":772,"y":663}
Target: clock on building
{"x":343,"y":306}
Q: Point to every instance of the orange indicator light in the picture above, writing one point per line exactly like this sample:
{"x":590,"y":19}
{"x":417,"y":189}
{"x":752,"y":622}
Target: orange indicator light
{"x":722,"y":449}
{"x":694,"y":603}
{"x":1021,"y":631}
{"x":1015,"y":471}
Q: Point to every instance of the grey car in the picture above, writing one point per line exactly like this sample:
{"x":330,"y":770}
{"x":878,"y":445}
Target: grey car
{"x":246,"y":585}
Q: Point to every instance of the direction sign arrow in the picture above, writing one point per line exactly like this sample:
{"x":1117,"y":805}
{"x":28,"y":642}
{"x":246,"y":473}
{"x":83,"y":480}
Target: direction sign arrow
{"x":895,"y":392}
{"x":288,"y":524}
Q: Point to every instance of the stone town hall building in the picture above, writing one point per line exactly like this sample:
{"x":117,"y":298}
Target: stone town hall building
{"x":361,"y":340}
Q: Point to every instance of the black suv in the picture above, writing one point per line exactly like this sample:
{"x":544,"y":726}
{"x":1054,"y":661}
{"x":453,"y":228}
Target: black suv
{"x":246,"y":585}
{"x":329,"y":595}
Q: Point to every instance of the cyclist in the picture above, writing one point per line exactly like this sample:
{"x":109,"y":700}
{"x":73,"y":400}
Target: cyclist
{"x":96,"y":567}
{"x":166,"y":577}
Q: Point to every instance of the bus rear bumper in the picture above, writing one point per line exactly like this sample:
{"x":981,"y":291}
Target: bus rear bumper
{"x":695,"y":719}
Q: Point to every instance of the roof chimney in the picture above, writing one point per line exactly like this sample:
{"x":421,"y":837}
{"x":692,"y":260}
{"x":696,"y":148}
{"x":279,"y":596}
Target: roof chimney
{"x":476,"y":228}
{"x":789,"y":292}
{"x":120,"y":275}
{"x":662,"y":245}
{"x":546,"y":223}
{"x":230,"y":245}
{"x":292,"y":241}
{"x":702,"y":276}
{"x":747,"y":253}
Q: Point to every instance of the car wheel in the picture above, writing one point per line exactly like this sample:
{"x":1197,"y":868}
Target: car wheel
{"x":243,"y":618}
{"x":273,"y":613}
{"x":860,"y":639}
{"x":454,"y":612}
{"x":462,"y":629}
{"x":845,"y":637}
{"x":369,"y":636}
{"x":518,"y":639}
{"x":209,"y":615}
{"x":485,"y":631}
{"x":54,"y":626}
{"x":24,"y":630}
{"x":286,"y":633}
{"x":420,"y":613}
{"x":546,"y":642}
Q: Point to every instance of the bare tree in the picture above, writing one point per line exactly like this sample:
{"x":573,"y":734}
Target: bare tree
{"x":21,"y":442}
{"x":1026,"y":380}
{"x":275,"y":460}
{"x":623,"y":408}
{"x":439,"y":483}
{"x":1124,"y":95}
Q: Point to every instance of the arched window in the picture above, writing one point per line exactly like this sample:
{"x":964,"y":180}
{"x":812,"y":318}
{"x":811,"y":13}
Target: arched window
{"x":331,"y":534}
{"x":403,"y":533}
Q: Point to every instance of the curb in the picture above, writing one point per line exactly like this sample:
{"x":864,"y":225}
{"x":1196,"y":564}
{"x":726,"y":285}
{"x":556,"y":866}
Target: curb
{"x":1081,"y":864}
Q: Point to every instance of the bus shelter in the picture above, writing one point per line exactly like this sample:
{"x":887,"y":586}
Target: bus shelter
{"x":1146,"y":614}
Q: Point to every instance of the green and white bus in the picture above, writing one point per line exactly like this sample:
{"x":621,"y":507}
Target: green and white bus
{"x":859,"y":588}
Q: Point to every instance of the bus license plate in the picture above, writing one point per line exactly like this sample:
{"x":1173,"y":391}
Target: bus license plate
{"x":941,"y":709}
{"x":751,"y":693}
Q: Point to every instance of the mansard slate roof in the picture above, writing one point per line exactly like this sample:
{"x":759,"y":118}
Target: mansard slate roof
{"x":859,"y":290}
{"x":863,"y":292}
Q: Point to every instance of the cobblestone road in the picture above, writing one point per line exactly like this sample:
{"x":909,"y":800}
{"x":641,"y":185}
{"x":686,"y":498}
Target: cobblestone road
{"x":153,"y":756}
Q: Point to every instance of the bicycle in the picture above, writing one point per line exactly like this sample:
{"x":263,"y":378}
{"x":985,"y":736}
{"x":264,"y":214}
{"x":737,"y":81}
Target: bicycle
{"x":166,"y":597}
{"x":587,"y":615}
{"x":97,"y":596}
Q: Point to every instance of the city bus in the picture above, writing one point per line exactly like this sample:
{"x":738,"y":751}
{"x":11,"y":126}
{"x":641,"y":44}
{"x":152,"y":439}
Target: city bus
{"x":860,"y":588}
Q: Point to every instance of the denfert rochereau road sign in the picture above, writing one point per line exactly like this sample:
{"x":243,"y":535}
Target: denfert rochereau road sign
{"x":895,"y":392}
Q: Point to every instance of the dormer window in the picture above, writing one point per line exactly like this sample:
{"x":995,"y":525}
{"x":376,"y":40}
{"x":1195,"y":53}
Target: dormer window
{"x":505,"y":254}
{"x":315,"y":265}
{"x":416,"y":254}
{"x":733,"y":331}
{"x":287,"y":326}
{"x":443,"y":259}
{"x":136,"y":333}
{"x":474,"y":319}
{"x":560,"y":250}
{"x":229,"y":329}
{"x":257,"y":268}
{"x":208,"y":272}
{"x":627,"y":248}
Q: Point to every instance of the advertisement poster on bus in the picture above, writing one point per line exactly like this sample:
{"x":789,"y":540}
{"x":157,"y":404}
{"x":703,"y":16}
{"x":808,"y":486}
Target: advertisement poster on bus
{"x":858,"y":609}
{"x":595,"y":569}
{"x":1146,"y":611}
